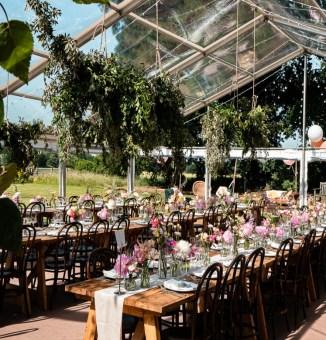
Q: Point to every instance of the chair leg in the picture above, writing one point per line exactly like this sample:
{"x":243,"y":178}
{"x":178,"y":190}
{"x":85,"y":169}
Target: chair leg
{"x":54,"y":289}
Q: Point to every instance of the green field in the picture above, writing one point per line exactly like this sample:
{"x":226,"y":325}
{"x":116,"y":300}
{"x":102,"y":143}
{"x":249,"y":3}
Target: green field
{"x":46,"y":185}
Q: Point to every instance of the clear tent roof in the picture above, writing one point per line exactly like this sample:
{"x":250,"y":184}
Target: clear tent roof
{"x":212,"y":46}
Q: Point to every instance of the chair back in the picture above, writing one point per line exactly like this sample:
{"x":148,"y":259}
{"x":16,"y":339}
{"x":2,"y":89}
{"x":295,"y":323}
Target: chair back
{"x":207,"y":293}
{"x":303,"y":262}
{"x":130,"y":207}
{"x":34,"y":207}
{"x":280,"y":267}
{"x":101,"y":227}
{"x":4,"y":256}
{"x":172,"y":221}
{"x":187,"y":224}
{"x":98,"y":200}
{"x":209,"y":217}
{"x":73,"y":200}
{"x":253,"y":273}
{"x":29,"y":234}
{"x":99,"y":259}
{"x":22,"y":208}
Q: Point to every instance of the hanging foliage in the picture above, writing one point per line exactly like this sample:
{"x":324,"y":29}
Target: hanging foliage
{"x":224,"y":127}
{"x":99,"y":100}
{"x":17,"y":143}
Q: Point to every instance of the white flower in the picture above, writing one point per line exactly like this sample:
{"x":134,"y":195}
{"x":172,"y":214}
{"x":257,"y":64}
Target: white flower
{"x":183,"y":248}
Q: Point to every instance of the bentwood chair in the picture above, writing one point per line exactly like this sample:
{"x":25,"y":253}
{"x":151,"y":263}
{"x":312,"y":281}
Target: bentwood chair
{"x":130,"y":207}
{"x":200,"y":325}
{"x":172,"y":224}
{"x":22,"y":208}
{"x":60,"y":258}
{"x":73,"y":200}
{"x":229,"y":306}
{"x":318,"y":262}
{"x":297,"y":280}
{"x":5,"y":274}
{"x":103,"y":258}
{"x":274,"y":289}
{"x":33,"y":210}
{"x":252,"y":287}
{"x":97,"y":237}
{"x":187,"y":224}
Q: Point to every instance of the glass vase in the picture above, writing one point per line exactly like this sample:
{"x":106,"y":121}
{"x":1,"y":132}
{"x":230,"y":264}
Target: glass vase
{"x":162,"y":265}
{"x":145,"y":278}
{"x":246,"y":244}
{"x":206,"y":255}
{"x":130,"y":283}
{"x":235,"y":245}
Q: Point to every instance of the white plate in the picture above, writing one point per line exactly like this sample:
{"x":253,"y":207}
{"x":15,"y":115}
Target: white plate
{"x":142,"y":222}
{"x":276,"y":245}
{"x":200,"y":273}
{"x":320,"y":229}
{"x":297,"y":241}
{"x":270,"y":253}
{"x":154,"y":264}
{"x":52,"y":232}
{"x":216,"y":246}
{"x":180,"y":286}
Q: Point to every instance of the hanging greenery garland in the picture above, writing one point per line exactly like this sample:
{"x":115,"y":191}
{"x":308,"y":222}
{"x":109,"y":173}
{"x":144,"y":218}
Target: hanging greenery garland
{"x":99,"y":100}
{"x":224,"y":127}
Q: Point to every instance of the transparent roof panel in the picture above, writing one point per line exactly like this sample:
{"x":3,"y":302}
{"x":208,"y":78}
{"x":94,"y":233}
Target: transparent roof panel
{"x":136,"y":43}
{"x":302,"y":10}
{"x":201,"y":22}
{"x":27,"y":109}
{"x":306,"y":39}
{"x":267,"y":39}
{"x":205,"y":77}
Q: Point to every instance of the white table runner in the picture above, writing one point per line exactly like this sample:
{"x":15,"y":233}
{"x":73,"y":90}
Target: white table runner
{"x":109,"y":310}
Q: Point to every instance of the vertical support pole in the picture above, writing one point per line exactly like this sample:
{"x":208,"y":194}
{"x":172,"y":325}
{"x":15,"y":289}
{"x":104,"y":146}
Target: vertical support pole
{"x":296,"y":176}
{"x":62,"y":178}
{"x":208,"y":180}
{"x":303,"y":163}
{"x":131,"y":175}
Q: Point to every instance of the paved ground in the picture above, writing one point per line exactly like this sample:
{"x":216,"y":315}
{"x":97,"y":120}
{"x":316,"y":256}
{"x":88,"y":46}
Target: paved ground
{"x":68,"y":317}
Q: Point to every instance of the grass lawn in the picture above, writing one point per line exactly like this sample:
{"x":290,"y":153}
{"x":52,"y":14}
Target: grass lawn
{"x":46,"y":185}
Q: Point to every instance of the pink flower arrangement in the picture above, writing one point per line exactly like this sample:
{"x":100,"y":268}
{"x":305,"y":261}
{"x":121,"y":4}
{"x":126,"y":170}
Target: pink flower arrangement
{"x":262,"y":231}
{"x":295,"y":221}
{"x":144,"y":251}
{"x":103,"y":214}
{"x":279,"y":233}
{"x":86,"y":197}
{"x":305,"y":217}
{"x":227,"y":237}
{"x":200,"y":204}
{"x":247,"y":229}
{"x":75,"y":213}
{"x":122,"y":264}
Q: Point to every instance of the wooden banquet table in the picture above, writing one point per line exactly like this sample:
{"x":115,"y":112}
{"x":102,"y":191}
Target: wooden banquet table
{"x":43,"y":242}
{"x":155,"y":302}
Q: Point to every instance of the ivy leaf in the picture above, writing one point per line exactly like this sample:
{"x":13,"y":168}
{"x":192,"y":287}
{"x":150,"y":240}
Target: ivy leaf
{"x":87,"y":2}
{"x":16,"y":45}
{"x":2,"y":111}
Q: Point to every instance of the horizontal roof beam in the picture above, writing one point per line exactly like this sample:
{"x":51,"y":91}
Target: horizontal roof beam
{"x":243,"y":82}
{"x":26,"y":95}
{"x":109,"y":19}
{"x":40,"y":53}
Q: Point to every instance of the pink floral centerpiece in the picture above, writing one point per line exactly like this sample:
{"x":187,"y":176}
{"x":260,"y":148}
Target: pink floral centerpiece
{"x":103,"y":214}
{"x":85,"y":197}
{"x":227,"y":237}
{"x":75,"y":213}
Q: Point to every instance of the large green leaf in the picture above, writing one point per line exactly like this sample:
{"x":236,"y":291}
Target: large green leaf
{"x":104,"y":2}
{"x":2,"y":111}
{"x":16,"y":46}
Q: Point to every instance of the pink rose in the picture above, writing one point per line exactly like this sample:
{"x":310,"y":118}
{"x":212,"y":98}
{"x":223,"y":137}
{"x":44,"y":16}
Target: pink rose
{"x":247,"y":229}
{"x":262,"y":231}
{"x":304,"y":217}
{"x":228,"y":237}
{"x":121,"y":265}
{"x":279,"y":232}
{"x":103,"y":214}
{"x":295,"y":221}
{"x":155,"y":222}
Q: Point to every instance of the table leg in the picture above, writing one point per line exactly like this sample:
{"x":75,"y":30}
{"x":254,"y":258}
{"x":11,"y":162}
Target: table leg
{"x":90,"y":332}
{"x":262,"y":327}
{"x":151,"y":326}
{"x":41,"y":285}
{"x":139,"y":333}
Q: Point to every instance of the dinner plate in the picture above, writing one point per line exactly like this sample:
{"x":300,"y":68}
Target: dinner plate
{"x":200,"y":273}
{"x":276,"y":245}
{"x":216,"y":246}
{"x":297,"y":241}
{"x":270,"y":253}
{"x":142,"y":222}
{"x":180,"y":286}
{"x":320,"y":229}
